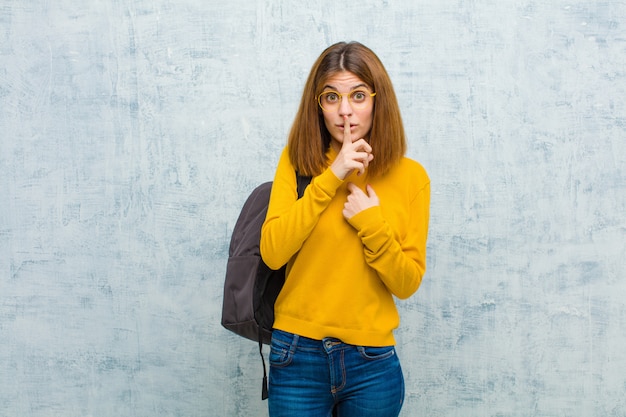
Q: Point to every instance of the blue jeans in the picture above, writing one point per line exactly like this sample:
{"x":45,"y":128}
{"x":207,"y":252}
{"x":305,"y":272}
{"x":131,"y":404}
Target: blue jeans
{"x":308,"y":378}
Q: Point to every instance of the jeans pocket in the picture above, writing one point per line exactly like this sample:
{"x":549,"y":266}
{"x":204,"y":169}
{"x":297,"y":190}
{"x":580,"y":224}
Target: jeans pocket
{"x":281,"y":352}
{"x":371,"y":353}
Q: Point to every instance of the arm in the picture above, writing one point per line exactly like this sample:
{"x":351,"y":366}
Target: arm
{"x":290,"y":220}
{"x":399,"y":260}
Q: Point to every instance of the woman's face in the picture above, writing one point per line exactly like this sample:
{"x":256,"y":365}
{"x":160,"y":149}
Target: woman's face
{"x":354,"y":99}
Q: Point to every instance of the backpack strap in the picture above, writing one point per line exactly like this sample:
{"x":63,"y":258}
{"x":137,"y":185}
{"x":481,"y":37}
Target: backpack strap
{"x":264,"y":391}
{"x":303,"y":182}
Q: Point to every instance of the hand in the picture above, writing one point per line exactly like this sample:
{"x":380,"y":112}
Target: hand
{"x":351,"y":156}
{"x":358,"y":200}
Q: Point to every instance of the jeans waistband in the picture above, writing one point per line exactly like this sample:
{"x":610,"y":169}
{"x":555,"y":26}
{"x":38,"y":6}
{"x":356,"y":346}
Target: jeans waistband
{"x":326,"y":344}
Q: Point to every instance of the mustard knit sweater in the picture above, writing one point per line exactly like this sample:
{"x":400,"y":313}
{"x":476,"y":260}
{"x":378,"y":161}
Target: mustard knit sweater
{"x":342,"y":275}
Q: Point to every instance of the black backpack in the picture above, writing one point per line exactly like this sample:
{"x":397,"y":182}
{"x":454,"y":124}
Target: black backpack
{"x":251,"y":287}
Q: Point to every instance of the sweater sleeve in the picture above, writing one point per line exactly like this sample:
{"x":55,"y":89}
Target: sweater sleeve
{"x":290,"y":220}
{"x":399,"y":259}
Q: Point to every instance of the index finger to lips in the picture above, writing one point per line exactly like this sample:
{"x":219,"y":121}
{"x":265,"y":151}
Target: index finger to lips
{"x":347,"y":136}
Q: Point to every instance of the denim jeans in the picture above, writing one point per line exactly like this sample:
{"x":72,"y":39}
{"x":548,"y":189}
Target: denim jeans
{"x":308,"y":378}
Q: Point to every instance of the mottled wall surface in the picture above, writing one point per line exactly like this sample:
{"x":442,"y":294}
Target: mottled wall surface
{"x":132,"y":132}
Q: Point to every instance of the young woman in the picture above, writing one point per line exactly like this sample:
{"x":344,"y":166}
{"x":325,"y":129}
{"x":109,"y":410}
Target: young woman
{"x":356,"y":239}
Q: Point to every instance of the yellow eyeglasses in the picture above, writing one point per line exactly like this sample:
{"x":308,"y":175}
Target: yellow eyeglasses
{"x":331,"y":100}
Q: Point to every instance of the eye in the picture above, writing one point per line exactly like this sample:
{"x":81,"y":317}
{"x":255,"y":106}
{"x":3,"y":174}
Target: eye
{"x":359,"y":96}
{"x":331,"y":97}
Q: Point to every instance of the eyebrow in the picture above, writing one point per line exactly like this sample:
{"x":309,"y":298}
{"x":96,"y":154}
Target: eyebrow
{"x":351,"y":89}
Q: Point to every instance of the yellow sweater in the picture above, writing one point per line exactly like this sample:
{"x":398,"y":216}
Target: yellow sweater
{"x":342,"y":276}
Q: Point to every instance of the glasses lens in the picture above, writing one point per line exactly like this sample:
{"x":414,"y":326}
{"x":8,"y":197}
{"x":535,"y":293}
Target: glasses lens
{"x":359,"y":98}
{"x":331,"y":100}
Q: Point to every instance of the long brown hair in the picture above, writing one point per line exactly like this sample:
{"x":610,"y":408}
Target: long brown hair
{"x":309,"y":139}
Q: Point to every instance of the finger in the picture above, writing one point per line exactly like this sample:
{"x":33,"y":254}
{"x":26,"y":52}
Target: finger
{"x":354,"y":189}
{"x":368,"y":158}
{"x":372,"y":194}
{"x":347,"y":135}
{"x":361,"y":145}
{"x":364,"y":161}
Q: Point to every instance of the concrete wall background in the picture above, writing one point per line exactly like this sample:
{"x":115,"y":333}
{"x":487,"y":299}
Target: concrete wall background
{"x":132,"y":132}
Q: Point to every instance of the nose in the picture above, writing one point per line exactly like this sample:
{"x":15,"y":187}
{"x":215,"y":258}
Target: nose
{"x":345,"y":109}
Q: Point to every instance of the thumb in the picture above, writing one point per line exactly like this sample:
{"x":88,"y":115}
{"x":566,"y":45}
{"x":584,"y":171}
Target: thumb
{"x":371,"y":193}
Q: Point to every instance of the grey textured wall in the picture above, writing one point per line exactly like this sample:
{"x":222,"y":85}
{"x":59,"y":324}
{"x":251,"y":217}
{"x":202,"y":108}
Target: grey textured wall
{"x":132,"y":132}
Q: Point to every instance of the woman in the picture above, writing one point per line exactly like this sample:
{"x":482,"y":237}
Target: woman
{"x":356,"y":239}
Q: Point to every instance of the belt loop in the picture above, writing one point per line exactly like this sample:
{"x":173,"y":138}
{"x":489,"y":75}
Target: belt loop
{"x":294,"y":343}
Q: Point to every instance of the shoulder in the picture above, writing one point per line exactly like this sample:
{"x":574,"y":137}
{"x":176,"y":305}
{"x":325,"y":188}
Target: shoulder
{"x":408,"y":178}
{"x":284,"y":161}
{"x":413,"y":171}
{"x":285,"y":177}
{"x":284,"y":153}
{"x":417,"y":181}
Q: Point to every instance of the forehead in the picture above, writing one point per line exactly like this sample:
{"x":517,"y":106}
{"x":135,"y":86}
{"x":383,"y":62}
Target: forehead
{"x":343,"y":80}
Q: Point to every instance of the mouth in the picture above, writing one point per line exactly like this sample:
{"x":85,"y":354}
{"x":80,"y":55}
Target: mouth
{"x":341,"y":127}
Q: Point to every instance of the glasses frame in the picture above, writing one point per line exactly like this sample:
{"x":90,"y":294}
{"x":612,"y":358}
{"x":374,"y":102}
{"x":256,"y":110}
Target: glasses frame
{"x":341,"y":96}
